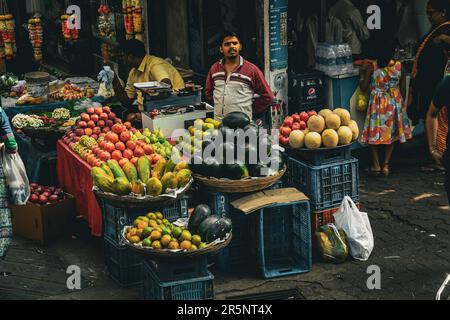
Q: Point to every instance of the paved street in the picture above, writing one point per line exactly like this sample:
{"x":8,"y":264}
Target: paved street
{"x":411,"y":223}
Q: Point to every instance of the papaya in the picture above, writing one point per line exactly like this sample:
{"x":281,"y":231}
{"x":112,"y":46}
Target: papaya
{"x":107,"y":169}
{"x":102,"y":180}
{"x":180,"y":166}
{"x":183,"y":176}
{"x":170,"y":166}
{"x":169,"y":181}
{"x":158,"y":170}
{"x":154,"y":187}
{"x":143,"y":168}
{"x":130,"y":171}
{"x":122,"y":186}
{"x":116,"y":169}
{"x":138,"y":187}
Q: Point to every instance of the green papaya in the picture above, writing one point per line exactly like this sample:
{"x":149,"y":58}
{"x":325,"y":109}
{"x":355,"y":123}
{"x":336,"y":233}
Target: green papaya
{"x":143,"y":168}
{"x":158,"y":170}
{"x":154,"y":187}
{"x":138,"y":187}
{"x":122,"y":186}
{"x":130,"y":171}
{"x":102,"y":180}
{"x":183,"y":176}
{"x":107,"y":169}
{"x":116,"y":169}
{"x":169,"y":181}
{"x":170,"y":166}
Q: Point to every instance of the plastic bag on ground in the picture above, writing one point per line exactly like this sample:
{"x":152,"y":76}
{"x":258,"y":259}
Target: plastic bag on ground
{"x":16,"y":177}
{"x":332,"y":243}
{"x":357,"y":227}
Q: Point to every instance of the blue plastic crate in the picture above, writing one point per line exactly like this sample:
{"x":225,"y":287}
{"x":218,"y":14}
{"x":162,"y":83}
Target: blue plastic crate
{"x":124,"y":265}
{"x":321,"y":157}
{"x":282,"y":239}
{"x":197,"y":288}
{"x":170,"y":271}
{"x":114,"y":219}
{"x":325,"y":185}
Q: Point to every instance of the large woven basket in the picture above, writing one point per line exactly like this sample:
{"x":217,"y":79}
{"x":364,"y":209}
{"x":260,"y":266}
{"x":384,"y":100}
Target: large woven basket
{"x":131,"y":201}
{"x":243,"y":185}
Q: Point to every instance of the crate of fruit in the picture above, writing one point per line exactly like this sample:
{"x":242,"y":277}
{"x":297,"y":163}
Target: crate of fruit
{"x":325,"y":185}
{"x":197,"y":288}
{"x":281,"y":238}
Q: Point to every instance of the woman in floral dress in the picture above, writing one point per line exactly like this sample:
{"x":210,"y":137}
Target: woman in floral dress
{"x":386,"y":121}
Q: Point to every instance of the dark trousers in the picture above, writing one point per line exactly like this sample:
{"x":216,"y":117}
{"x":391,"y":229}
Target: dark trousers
{"x":446,"y":162}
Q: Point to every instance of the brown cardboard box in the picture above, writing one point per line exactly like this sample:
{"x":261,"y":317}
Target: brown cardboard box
{"x":43,"y":223}
{"x":266,"y":198}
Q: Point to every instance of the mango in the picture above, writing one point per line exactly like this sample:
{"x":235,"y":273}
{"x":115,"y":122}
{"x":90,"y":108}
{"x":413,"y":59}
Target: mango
{"x":138,"y":187}
{"x":180,"y":166}
{"x":154,"y":187}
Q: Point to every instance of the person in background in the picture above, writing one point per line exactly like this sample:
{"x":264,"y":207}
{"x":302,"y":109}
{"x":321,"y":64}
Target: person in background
{"x":10,"y":145}
{"x":144,"y":68}
{"x":235,"y":84}
{"x":441,"y":99}
{"x":429,"y":66}
{"x":355,"y":30}
{"x":386,"y":120}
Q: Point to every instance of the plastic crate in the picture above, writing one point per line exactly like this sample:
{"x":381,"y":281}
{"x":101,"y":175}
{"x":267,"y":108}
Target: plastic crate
{"x":325,"y":185}
{"x":169,"y":271}
{"x":281,"y":239}
{"x":323,"y":217}
{"x":114,"y":219}
{"x":124,"y":265}
{"x":322,"y":157}
{"x":197,"y":288}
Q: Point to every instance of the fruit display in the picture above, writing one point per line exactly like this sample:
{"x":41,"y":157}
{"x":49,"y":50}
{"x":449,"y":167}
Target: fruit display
{"x":132,"y":15}
{"x":68,"y":92}
{"x":328,"y":129}
{"x":56,"y":118}
{"x":140,"y":177}
{"x":8,"y":37}
{"x":61,"y":114}
{"x":35,"y":33}
{"x":211,"y":155}
{"x":68,"y":34}
{"x":21,"y":121}
{"x":45,"y":195}
{"x":105,"y":22}
{"x":156,"y":233}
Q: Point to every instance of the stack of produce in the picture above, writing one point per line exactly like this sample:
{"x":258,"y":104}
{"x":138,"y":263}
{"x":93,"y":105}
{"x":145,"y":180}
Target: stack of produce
{"x":153,"y":231}
{"x":96,"y":122}
{"x":84,"y":149}
{"x":57,"y":118}
{"x":68,"y":34}
{"x":7,"y":81}
{"x":36,"y":37}
{"x":21,"y":121}
{"x":328,"y":129}
{"x":68,"y":92}
{"x":8,"y":37}
{"x":105,"y":22}
{"x":45,"y":195}
{"x":132,"y":15}
{"x":253,"y":165}
{"x":140,"y":178}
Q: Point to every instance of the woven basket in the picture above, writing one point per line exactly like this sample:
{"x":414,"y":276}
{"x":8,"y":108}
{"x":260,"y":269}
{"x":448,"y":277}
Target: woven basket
{"x":243,"y":185}
{"x":131,"y":201}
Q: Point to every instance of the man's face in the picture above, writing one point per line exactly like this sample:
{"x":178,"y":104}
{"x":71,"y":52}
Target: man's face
{"x":231,"y":47}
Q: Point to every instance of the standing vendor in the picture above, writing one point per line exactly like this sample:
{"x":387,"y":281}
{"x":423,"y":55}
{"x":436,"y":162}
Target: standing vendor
{"x":145,"y":68}
{"x":234,"y":84}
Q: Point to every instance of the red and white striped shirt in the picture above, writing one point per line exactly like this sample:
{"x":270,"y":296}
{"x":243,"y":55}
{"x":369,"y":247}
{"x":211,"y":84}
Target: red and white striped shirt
{"x":245,"y":89}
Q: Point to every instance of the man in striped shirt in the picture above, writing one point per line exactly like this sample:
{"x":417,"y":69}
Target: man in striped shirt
{"x":234,"y":84}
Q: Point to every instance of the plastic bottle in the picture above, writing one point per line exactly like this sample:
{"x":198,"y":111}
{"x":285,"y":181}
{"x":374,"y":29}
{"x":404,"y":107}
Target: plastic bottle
{"x":332,"y":62}
{"x":341,"y":63}
{"x":349,"y":57}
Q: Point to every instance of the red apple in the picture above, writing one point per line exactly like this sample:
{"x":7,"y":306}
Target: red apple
{"x":148,"y":149}
{"x":117,"y":128}
{"x":95,"y":136}
{"x":85,"y":117}
{"x":127,"y":153}
{"x":304,"y":116}
{"x":106,"y":109}
{"x":284,"y":140}
{"x":102,"y":135}
{"x":34,"y":198}
{"x":96,"y":130}
{"x":303,"y":125}
{"x":94,"y":117}
{"x":285,"y":131}
{"x":140,"y":143}
{"x":155,"y":157}
{"x":113,"y":137}
{"x":296,"y":117}
{"x":104,"y":156}
{"x":125,"y":136}
{"x":138,"y":152}
{"x":34,"y":185}
{"x":116,"y":155}
{"x":120,"y":146}
{"x":123,"y":161}
{"x":134,"y":160}
{"x":90,"y":110}
{"x":82,"y":124}
{"x":106,"y":130}
{"x":128,"y":125}
{"x":312,"y":113}
{"x":110,"y":147}
{"x":288,"y":121}
{"x":103,"y":116}
{"x":53,"y":198}
{"x":117,"y":120}
{"x":98,"y":110}
{"x":109,"y":123}
{"x":131,"y":144}
{"x":43,"y":199}
{"x":79,"y":132}
{"x":111,"y":116}
{"x":296,"y":126}
{"x":77,"y":138}
{"x":101,"y":123}
{"x":88,"y":131}
{"x":133,"y":130}
{"x":97,"y":163}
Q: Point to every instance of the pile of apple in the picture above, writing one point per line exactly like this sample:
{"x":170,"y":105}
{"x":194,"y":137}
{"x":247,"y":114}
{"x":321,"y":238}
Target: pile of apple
{"x":294,"y":122}
{"x":45,"y":195}
{"x":117,"y":144}
{"x":95,"y":122}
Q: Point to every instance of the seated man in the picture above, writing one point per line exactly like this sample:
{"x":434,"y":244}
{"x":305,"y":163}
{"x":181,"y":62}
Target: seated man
{"x":144,"y":68}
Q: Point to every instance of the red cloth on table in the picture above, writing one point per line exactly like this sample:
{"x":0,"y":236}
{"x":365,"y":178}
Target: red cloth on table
{"x":74,"y":176}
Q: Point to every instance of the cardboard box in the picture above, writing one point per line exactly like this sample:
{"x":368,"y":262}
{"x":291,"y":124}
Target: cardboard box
{"x":43,"y":223}
{"x":267,"y":198}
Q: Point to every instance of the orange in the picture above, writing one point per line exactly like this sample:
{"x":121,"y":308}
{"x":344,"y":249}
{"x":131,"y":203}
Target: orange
{"x":155,"y":235}
{"x":135,"y":239}
{"x":165,"y":240}
{"x":185,"y":245}
{"x":173,"y":245}
{"x":152,"y":223}
{"x":142,"y":224}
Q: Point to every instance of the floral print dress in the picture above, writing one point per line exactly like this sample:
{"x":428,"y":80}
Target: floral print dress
{"x":386,"y":120}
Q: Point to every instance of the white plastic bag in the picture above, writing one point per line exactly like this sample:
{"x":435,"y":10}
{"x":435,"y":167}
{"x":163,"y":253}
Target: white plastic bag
{"x":16,"y":177}
{"x":357,"y":227}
